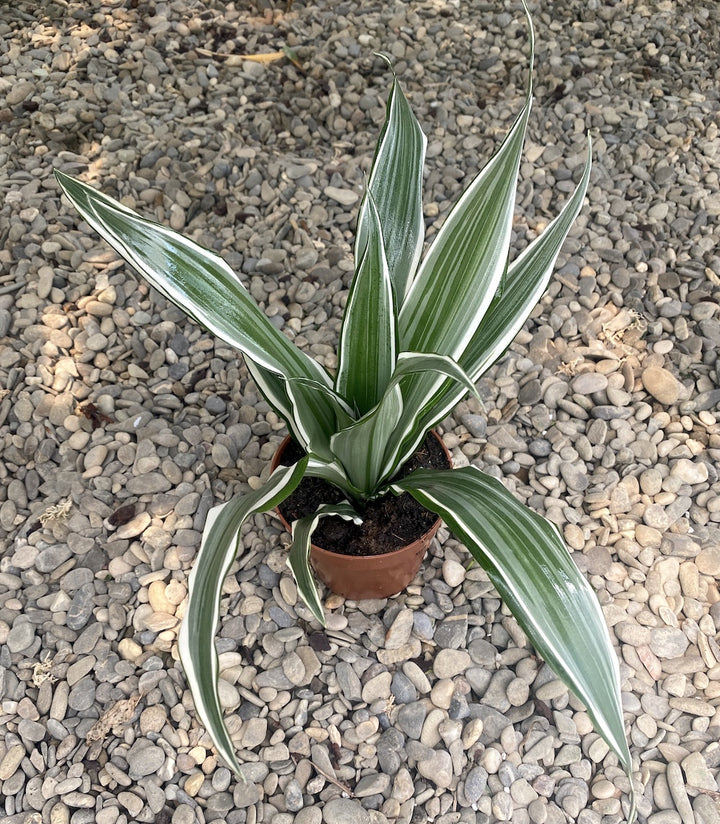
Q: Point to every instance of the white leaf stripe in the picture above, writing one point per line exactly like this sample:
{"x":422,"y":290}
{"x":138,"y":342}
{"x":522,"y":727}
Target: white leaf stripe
{"x":529,"y":565}
{"x":217,"y":552}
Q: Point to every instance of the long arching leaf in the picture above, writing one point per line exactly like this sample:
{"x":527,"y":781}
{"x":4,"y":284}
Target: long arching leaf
{"x":534,"y":573}
{"x":463,"y":268}
{"x":219,"y":547}
{"x":525,"y":282}
{"x":299,"y":557}
{"x":195,"y":279}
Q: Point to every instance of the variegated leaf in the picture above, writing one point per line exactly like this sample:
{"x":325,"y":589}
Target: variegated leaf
{"x":368,"y":337}
{"x":299,"y":556}
{"x":534,"y":573}
{"x":219,"y":547}
{"x":396,"y":187}
{"x":196,"y":280}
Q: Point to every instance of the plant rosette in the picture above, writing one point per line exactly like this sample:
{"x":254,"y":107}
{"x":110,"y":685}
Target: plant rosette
{"x":418,"y":331}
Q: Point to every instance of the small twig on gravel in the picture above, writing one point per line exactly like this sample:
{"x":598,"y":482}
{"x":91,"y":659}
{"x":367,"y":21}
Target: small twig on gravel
{"x":296,"y":757}
{"x":239,"y":59}
{"x":236,"y":59}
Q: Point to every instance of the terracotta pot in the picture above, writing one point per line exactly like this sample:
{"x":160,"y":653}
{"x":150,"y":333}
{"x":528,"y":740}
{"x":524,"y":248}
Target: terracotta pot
{"x":367,"y":576}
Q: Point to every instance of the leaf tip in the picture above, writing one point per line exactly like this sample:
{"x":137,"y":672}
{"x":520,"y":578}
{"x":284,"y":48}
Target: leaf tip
{"x":385,"y":57}
{"x":531,"y":36}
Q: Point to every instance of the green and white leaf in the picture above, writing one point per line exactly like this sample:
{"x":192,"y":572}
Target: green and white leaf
{"x":526,"y":280}
{"x":195,"y":279}
{"x":412,"y":362}
{"x":333,"y":473}
{"x":408,"y":425}
{"x":360,"y":447}
{"x":368,"y":337}
{"x":462,"y":271}
{"x":535,"y":575}
{"x":463,"y":268}
{"x":219,"y":547}
{"x":317,"y":413}
{"x":396,"y":188}
{"x":299,"y":555}
{"x":273,"y":387}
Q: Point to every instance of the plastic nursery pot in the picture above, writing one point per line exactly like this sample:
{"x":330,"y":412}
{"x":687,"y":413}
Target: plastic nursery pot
{"x":357,"y":577}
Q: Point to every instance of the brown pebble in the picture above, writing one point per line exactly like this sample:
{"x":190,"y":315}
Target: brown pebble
{"x":661,"y":384}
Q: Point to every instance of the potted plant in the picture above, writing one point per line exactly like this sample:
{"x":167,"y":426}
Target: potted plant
{"x":415,"y":338}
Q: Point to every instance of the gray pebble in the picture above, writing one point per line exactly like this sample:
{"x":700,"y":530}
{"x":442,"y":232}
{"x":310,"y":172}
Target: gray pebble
{"x":293,"y":796}
{"x":410,"y":719}
{"x":451,"y":632}
{"x":403,"y":689}
{"x":348,"y":681}
{"x":390,"y":750}
{"x":459,"y":707}
{"x":398,"y":634}
{"x":530,"y":393}
{"x":423,"y":626}
{"x":215,"y":405}
{"x":476,"y":425}
{"x":21,"y":636}
{"x":144,"y":759}
{"x":374,"y":784}
{"x":668,"y":642}
{"x":589,"y":382}
{"x":610,"y":413}
{"x":475,"y":784}
{"x":82,"y":695}
{"x":81,"y":608}
{"x":31,"y":731}
{"x":346,"y":810}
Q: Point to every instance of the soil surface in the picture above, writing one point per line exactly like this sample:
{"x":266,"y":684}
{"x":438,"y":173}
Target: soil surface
{"x":389,"y":522}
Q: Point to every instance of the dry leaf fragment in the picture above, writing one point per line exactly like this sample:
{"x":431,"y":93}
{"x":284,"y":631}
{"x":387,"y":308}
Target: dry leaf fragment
{"x":42,"y":670}
{"x":113,"y":719}
{"x":56,"y":512}
{"x":94,"y":415}
{"x":239,"y":59}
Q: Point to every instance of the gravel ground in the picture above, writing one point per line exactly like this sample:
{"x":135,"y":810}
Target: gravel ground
{"x":121,"y":422}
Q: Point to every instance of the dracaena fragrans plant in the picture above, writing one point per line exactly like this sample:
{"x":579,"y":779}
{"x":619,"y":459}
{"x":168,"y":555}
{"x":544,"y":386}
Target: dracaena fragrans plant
{"x":417,"y":333}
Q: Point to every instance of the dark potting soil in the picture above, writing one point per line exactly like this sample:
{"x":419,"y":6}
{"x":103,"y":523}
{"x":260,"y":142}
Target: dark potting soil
{"x":388,"y":523}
